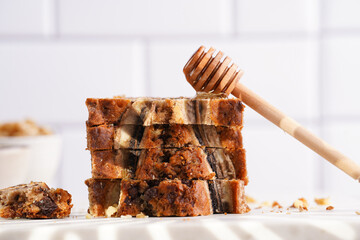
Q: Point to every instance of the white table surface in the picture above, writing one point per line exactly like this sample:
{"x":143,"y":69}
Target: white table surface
{"x":317,"y":223}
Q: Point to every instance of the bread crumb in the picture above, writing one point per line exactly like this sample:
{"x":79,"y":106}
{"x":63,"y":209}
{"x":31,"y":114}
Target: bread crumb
{"x":249,"y":199}
{"x":110,"y":211}
{"x":88,"y":216}
{"x":265,"y":204}
{"x":276,"y":204}
{"x":357,"y":213}
{"x":330,"y":208}
{"x":322,"y":201}
{"x":141,"y":215}
{"x":301,"y":204}
{"x":125,"y":216}
{"x":23,"y":128}
{"x":301,"y":209}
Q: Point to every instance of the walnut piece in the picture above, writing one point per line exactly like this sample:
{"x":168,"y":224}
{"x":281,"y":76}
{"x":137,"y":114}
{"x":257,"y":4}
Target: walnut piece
{"x":23,"y":128}
{"x":109,"y":212}
{"x":322,"y":201}
{"x":249,"y":199}
{"x":141,"y":215}
{"x":275,"y":204}
{"x":330,"y":208}
{"x":301,"y":204}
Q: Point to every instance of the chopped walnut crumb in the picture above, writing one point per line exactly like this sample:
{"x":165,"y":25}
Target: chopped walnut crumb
{"x":125,"y":216}
{"x":249,"y":199}
{"x":265,"y":204}
{"x":301,"y":209}
{"x":110,"y":211}
{"x":23,"y":128}
{"x":276,"y":204}
{"x":141,"y":215}
{"x":322,"y":201}
{"x":301,"y":204}
{"x":330,"y":208}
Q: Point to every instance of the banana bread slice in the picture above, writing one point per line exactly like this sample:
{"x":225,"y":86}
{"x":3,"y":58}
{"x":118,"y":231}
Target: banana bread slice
{"x":182,"y":163}
{"x":150,"y":111}
{"x":166,"y":198}
{"x":34,"y":200}
{"x":104,"y":137}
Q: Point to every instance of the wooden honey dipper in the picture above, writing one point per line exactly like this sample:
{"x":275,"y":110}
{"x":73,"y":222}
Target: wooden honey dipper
{"x":209,"y":73}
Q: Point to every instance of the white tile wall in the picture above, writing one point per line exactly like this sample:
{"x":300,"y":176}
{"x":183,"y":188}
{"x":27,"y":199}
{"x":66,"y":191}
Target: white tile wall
{"x":339,"y":15}
{"x":277,"y":16}
{"x":346,"y":136}
{"x":302,"y":56}
{"x":144,"y":17}
{"x":166,"y":62}
{"x":288,"y":68}
{"x":76,"y":165}
{"x":281,"y":165}
{"x":280,"y":69}
{"x":51,"y":80}
{"x":341,"y":76}
{"x":21,"y":17}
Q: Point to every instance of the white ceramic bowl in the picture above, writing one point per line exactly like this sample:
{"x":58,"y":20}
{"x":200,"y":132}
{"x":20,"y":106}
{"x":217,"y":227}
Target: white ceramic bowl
{"x":30,"y":158}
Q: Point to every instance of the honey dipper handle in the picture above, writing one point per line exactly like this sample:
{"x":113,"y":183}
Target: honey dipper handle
{"x":297,"y":131}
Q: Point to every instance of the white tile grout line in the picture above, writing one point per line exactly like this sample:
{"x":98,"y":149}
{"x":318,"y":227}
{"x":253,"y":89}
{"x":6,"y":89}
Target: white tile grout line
{"x":319,"y":167}
{"x":235,"y":4}
{"x":49,"y":19}
{"x":52,"y":35}
{"x":57,"y":18}
{"x":260,"y":36}
{"x":138,"y":86}
{"x":147,"y":68}
{"x":241,"y":36}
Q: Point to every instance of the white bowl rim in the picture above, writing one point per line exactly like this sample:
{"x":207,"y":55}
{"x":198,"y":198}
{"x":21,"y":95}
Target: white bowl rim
{"x":29,"y":140}
{"x":29,"y":137}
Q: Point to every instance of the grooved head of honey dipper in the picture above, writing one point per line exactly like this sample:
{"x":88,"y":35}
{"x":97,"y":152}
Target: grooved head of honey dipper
{"x":209,"y":73}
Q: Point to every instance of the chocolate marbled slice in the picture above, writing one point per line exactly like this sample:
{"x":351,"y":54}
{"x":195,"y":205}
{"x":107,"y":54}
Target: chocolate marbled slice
{"x":34,"y":200}
{"x":166,"y":198}
{"x":150,"y":111}
{"x":182,"y":163}
{"x":105,"y":137}
{"x":103,"y":193}
{"x":114,"y":164}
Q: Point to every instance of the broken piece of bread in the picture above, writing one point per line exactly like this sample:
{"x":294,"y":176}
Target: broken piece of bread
{"x":34,"y":200}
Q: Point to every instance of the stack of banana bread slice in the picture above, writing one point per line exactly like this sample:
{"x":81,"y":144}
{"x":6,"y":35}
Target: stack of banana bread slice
{"x":166,"y":156}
